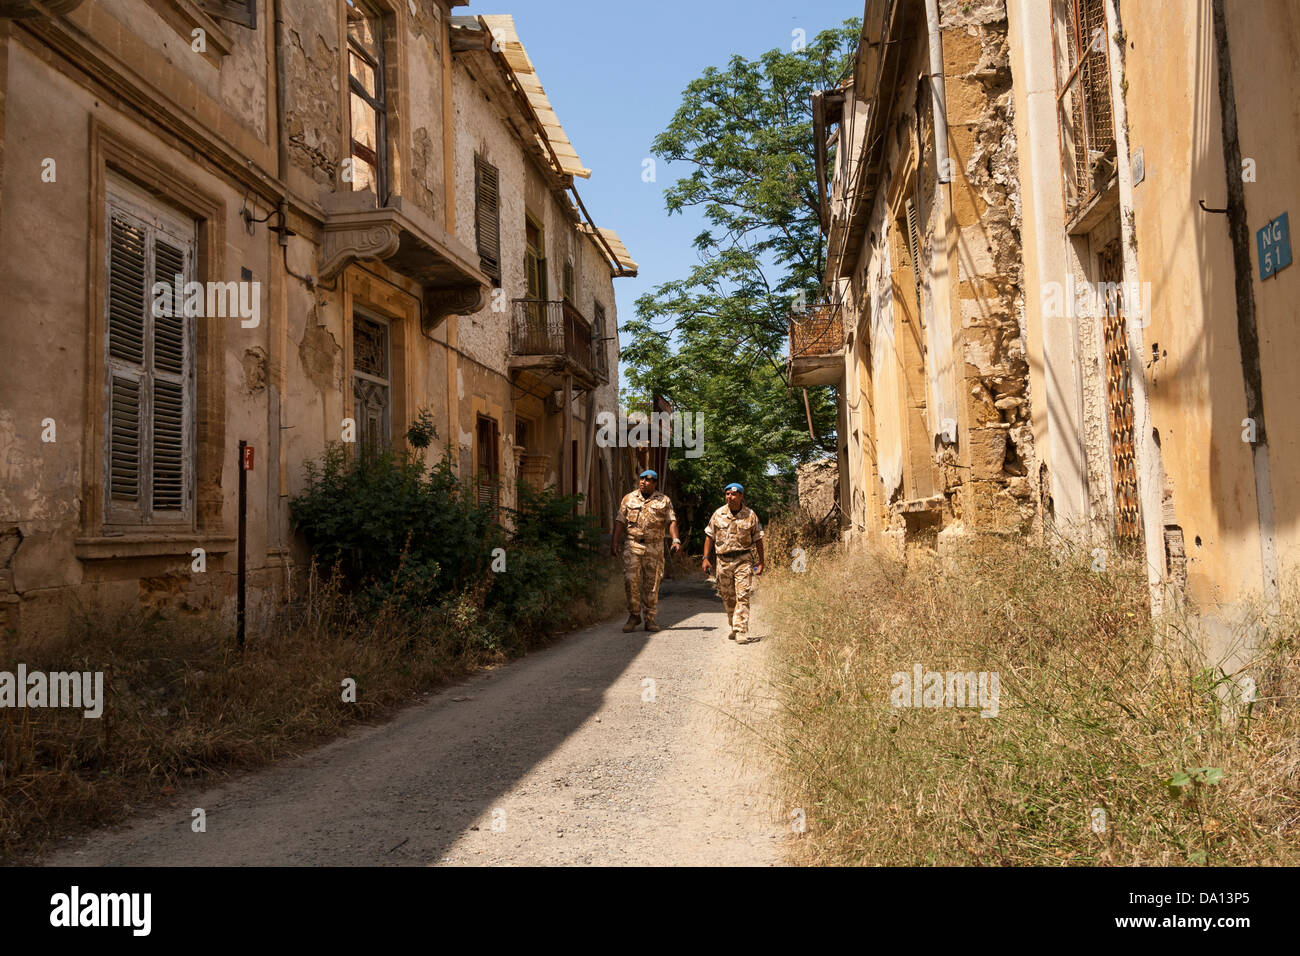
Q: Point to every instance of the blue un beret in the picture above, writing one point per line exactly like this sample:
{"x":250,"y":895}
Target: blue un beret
{"x":649,"y":474}
{"x":739,"y":487}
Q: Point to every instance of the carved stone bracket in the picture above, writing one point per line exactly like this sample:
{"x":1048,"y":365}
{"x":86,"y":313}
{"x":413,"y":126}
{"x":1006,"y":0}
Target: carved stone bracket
{"x":410,"y":243}
{"x":458,"y":300}
{"x":349,"y":238}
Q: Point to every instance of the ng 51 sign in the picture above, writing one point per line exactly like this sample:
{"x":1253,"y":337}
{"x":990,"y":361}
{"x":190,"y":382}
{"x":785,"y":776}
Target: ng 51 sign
{"x":1274,"y":245}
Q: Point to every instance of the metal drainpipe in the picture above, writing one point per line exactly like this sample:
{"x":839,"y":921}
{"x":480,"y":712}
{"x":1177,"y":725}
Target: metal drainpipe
{"x":937,"y":97}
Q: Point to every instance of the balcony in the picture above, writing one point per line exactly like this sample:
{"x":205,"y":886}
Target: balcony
{"x":551,"y":339}
{"x":407,"y":241}
{"x":817,"y":345}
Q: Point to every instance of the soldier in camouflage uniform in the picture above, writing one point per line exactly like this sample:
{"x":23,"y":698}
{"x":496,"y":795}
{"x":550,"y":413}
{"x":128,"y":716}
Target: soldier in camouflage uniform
{"x":737,"y":534}
{"x":643,"y":515}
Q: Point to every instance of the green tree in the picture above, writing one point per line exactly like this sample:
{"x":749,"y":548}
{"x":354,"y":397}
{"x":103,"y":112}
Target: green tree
{"x":714,"y":340}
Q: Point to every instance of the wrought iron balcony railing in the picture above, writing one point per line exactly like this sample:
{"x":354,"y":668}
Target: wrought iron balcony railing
{"x":541,"y":327}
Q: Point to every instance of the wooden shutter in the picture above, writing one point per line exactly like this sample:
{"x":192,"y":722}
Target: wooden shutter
{"x":126,"y":303}
{"x":914,"y":252}
{"x":487,"y":216}
{"x":148,"y":377}
{"x":168,"y":412}
{"x":568,"y":281}
{"x":126,"y":342}
{"x":124,"y":439}
{"x":243,"y":12}
{"x":489,"y":462}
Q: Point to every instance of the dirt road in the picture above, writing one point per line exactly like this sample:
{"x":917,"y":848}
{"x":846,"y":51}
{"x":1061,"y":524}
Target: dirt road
{"x":608,"y":748}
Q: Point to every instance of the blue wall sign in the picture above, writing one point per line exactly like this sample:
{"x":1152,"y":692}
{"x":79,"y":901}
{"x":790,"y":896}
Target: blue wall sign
{"x":1274,"y":244}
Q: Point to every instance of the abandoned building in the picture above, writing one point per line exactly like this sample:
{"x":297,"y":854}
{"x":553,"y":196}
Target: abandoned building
{"x":375,"y":201}
{"x":1058,"y":294}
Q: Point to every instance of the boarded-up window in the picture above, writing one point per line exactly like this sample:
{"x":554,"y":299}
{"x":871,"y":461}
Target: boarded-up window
{"x":366,"y":100}
{"x":372,"y":387}
{"x":487,"y":216}
{"x":148,"y":353}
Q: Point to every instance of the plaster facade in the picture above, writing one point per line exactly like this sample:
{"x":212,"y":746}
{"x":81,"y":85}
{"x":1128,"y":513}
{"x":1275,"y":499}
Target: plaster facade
{"x":115,"y":103}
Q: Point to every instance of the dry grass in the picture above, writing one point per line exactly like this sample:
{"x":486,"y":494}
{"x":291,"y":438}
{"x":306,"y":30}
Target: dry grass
{"x":1094,"y":714}
{"x":183,"y":705}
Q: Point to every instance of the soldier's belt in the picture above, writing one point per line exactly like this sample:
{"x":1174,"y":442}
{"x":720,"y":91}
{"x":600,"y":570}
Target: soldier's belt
{"x":732,"y":554}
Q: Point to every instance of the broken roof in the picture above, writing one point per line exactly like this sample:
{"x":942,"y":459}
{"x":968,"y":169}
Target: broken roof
{"x":622,"y":262}
{"x":496,"y":35}
{"x":502,"y":28}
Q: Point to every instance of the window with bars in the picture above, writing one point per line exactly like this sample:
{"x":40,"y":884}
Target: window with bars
{"x":372,"y":387}
{"x":1083,"y":99}
{"x":487,"y":216}
{"x":149,"y":375}
{"x":366,"y":99}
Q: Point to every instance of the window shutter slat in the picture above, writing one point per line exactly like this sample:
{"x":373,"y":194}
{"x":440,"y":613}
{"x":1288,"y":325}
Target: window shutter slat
{"x":914,"y":248}
{"x":487,"y":214}
{"x":126,"y":292}
{"x":169,"y":328}
{"x":168,"y":446}
{"x":124,"y":440}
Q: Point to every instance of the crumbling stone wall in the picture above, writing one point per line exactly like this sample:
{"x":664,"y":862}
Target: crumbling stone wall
{"x":818,"y":482}
{"x":313,"y":98}
{"x":997,"y":493}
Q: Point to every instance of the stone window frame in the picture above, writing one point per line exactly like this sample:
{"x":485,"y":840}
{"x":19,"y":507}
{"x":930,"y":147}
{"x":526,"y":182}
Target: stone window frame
{"x":378,"y":296}
{"x":184,"y":16}
{"x":393,"y":26}
{"x":112,"y":153}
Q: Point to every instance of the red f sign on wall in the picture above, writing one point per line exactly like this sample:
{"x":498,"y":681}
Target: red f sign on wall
{"x":248,"y":458}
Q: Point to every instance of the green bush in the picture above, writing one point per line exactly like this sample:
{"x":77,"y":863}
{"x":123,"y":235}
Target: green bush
{"x":399,"y":534}
{"x":381,"y":519}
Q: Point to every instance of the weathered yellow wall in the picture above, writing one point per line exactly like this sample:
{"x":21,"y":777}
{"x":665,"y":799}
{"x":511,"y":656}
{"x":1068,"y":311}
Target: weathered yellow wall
{"x":1196,"y":385}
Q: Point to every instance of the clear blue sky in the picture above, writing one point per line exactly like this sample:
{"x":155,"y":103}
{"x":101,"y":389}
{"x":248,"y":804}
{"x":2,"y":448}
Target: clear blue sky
{"x":614,"y":71}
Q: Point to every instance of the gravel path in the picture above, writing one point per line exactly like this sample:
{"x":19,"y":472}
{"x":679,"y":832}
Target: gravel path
{"x":606,"y":749}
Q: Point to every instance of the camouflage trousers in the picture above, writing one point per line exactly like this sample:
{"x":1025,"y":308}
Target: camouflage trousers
{"x":643,"y":569}
{"x":735,"y":581}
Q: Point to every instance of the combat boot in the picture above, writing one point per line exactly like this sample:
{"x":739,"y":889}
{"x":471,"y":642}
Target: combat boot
{"x":732,"y":635}
{"x":632,"y":621}
{"x":650,"y":624}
